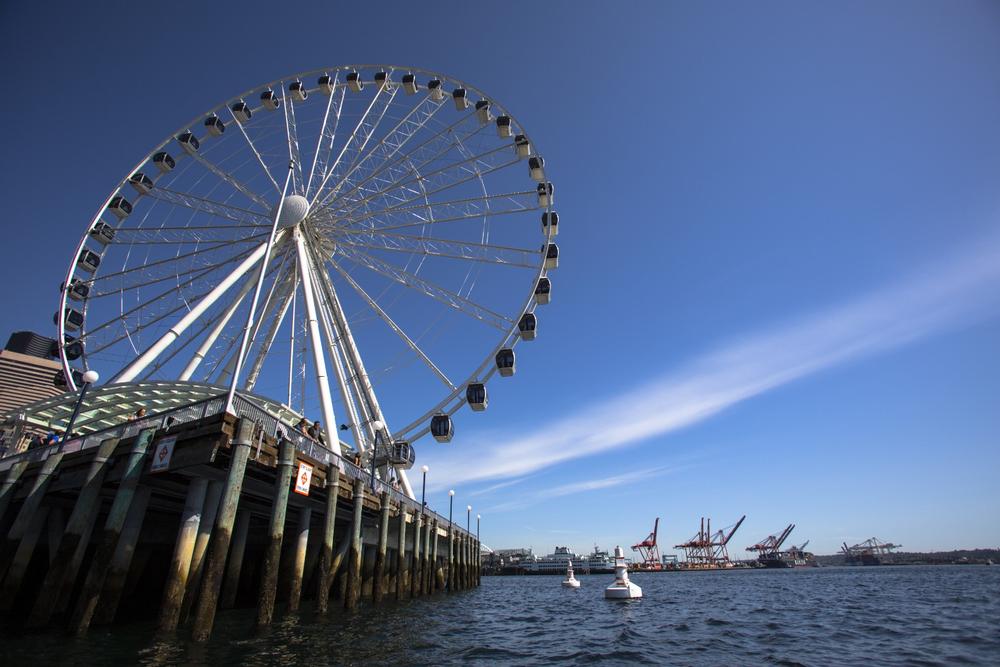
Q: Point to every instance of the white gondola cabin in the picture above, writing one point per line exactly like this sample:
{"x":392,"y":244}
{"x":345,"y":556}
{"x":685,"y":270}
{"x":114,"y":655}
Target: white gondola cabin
{"x":475,"y":396}
{"x":550,"y":223}
{"x":409,"y":84}
{"x":442,"y":428}
{"x":298,"y":91}
{"x":325,"y":84}
{"x":72,"y":318}
{"x":522,"y":146}
{"x":189,"y":142}
{"x":551,"y":253}
{"x":88,"y":261}
{"x":164,"y":162}
{"x":546,"y":194}
{"x":120,"y":207}
{"x":78,"y":290}
{"x":269,"y":101}
{"x":241,"y":110}
{"x":483,"y":112}
{"x":103,"y":233}
{"x":354,"y":82}
{"x":73,"y":350}
{"x":140,"y":182}
{"x":461,"y":98}
{"x":381,"y":79}
{"x":505,"y":362}
{"x":398,"y":454}
{"x":435,"y":90}
{"x":536,"y":168}
{"x":215,"y":126}
{"x":527,"y":327}
{"x":503,"y":127}
{"x":543,"y":291}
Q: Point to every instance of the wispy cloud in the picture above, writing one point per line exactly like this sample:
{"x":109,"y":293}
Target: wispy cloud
{"x":580,"y":487}
{"x":944,"y":296}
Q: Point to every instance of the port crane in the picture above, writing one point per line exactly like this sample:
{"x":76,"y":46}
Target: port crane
{"x":648,"y":550}
{"x":771,"y":545}
{"x":869,"y":552}
{"x":707,"y":549}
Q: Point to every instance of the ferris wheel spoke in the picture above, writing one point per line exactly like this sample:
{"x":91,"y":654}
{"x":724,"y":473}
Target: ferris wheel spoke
{"x":443,"y":178}
{"x":175,"y":258}
{"x":356,"y":143}
{"x":292,"y":134}
{"x":203,"y":271}
{"x":433,"y":247}
{"x":328,"y":131}
{"x":204,"y":303}
{"x":429,"y":213}
{"x":426,"y":287}
{"x":395,"y":169}
{"x":256,"y":152}
{"x":389,"y":144}
{"x":392,"y":325}
{"x":209,"y":206}
{"x":233,"y":181}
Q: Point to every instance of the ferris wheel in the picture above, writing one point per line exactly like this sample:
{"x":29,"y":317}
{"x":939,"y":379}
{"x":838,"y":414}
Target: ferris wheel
{"x":345,"y":238}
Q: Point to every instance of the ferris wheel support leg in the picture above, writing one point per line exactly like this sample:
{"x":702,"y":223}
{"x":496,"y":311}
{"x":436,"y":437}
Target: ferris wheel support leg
{"x":285,"y":301}
{"x":209,"y":341}
{"x":244,"y":343}
{"x":156,"y":349}
{"x":338,"y":368}
{"x":315,"y":342}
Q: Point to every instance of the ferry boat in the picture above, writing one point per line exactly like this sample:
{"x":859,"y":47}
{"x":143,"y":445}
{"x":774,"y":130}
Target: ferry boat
{"x":597,"y":562}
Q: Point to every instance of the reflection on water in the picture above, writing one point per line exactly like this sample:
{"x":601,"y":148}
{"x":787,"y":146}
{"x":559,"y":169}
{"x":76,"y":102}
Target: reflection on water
{"x":902,"y":615}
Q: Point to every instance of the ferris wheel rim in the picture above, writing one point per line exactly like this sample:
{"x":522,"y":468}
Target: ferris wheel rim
{"x":482,"y":373}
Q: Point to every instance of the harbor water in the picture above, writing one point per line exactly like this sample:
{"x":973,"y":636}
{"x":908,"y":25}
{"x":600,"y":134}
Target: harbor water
{"x":917,"y":615}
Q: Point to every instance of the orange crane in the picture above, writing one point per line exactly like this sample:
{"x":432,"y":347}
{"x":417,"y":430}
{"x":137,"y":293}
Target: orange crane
{"x":708,"y":549}
{"x":648,"y":551}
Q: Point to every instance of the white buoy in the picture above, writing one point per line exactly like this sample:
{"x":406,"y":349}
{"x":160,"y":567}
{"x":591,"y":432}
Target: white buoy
{"x":622,"y":588}
{"x":570,"y":581}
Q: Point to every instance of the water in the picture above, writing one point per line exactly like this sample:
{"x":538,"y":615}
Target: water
{"x":920,"y":615}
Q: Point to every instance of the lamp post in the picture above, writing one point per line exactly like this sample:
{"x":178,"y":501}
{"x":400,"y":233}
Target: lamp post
{"x":451,"y":504}
{"x":89,"y":378}
{"x":468,"y":518}
{"x":478,"y":518}
{"x":423,"y":489}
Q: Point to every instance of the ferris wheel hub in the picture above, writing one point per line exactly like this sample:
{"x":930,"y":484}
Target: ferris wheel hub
{"x":294,"y":211}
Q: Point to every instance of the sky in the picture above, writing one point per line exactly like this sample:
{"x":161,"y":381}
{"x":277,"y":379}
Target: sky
{"x":779,"y":287}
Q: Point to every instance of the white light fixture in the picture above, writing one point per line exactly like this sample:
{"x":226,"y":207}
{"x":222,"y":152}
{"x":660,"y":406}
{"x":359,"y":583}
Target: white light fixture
{"x":424,"y":469}
{"x":90,"y":377}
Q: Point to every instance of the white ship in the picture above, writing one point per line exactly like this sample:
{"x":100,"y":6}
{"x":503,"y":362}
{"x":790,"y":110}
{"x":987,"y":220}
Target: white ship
{"x":598,"y":562}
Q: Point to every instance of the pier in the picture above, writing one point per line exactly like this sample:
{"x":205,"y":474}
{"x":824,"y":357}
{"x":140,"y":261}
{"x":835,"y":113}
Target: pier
{"x":196,"y":509}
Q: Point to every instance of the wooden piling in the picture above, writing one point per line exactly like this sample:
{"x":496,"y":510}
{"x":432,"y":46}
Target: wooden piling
{"x":299,"y":560}
{"x":204,"y":617}
{"x":353,"y":591}
{"x":61,"y":576}
{"x":401,"y":556}
{"x":415,"y":570}
{"x":425,"y":567}
{"x":25,"y":518}
{"x":272,"y":553}
{"x":180,"y":564}
{"x":213,"y":497}
{"x":450,"y":575}
{"x":22,"y":558}
{"x":437,"y":580}
{"x":10,"y":481}
{"x":325,"y":575}
{"x":122,"y":559}
{"x":231,"y":585}
{"x":94,"y":582}
{"x":379,"y":584}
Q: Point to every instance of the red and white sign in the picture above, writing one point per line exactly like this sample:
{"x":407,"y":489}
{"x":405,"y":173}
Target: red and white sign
{"x":161,"y":455}
{"x":303,"y":479}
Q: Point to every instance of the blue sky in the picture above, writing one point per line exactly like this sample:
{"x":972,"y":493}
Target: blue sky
{"x":779,"y":287}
